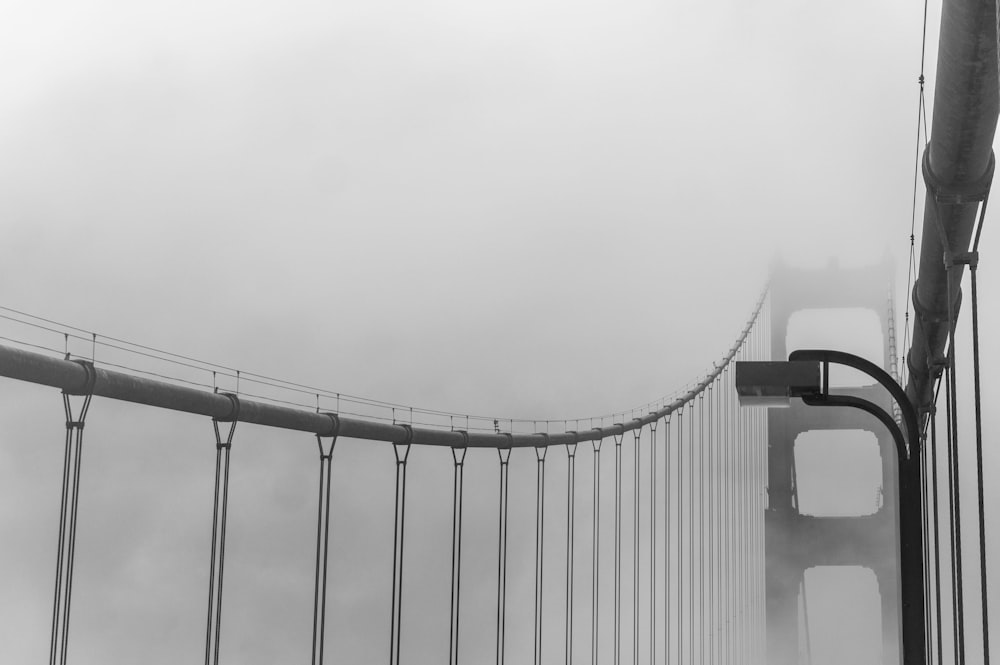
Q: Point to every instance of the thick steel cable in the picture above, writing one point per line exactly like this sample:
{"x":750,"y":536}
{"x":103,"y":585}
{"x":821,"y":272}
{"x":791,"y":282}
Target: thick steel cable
{"x":937,"y":546}
{"x":926,"y":544}
{"x":635,"y":548}
{"x":954,"y":462}
{"x":979,"y":453}
{"x":724,"y":518}
{"x":218,"y":553}
{"x":758,"y":555}
{"x":755,"y":507}
{"x":570,"y":530}
{"x":595,"y":554}
{"x":402,"y":453}
{"x":711,"y":527}
{"x":742,"y":427}
{"x":458,"y":457}
{"x":618,"y":548}
{"x":748,"y":515}
{"x":691,"y":564}
{"x":751,"y":504}
{"x":322,"y":550}
{"x":68,"y":511}
{"x":504,"y":454}
{"x":702,"y":631}
{"x":667,"y":489}
{"x":652,"y":543}
{"x":57,"y":597}
{"x":71,"y":543}
{"x":539,"y":547}
{"x":680,"y":536}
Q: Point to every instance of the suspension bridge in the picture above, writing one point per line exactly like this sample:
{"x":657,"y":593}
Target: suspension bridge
{"x":671,"y":533}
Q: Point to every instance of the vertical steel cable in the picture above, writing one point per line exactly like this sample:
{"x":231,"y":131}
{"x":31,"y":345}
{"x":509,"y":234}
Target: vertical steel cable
{"x":926,"y":547}
{"x":757,"y":517}
{"x":322,"y":548}
{"x":711,"y":528}
{"x":504,"y":454}
{"x":539,"y":546}
{"x":954,"y":462}
{"x":744,"y":426}
{"x":618,"y":548}
{"x":752,"y":509}
{"x":973,"y":265}
{"x":691,"y":561}
{"x":702,"y":630}
{"x":680,"y":535}
{"x":745,"y":541}
{"x":748,"y":510}
{"x":57,"y":598}
{"x":68,"y":510}
{"x":950,"y":463}
{"x":594,"y":554}
{"x":652,"y":543}
{"x":635,"y":549}
{"x":458,"y":456}
{"x":570,"y":531}
{"x":667,"y":489}
{"x":724,"y":517}
{"x":402,"y":452}
{"x":219,"y":510}
{"x":937,"y":546}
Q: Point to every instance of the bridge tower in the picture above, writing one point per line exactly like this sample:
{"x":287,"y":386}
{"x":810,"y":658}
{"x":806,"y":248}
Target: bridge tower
{"x":795,"y":542}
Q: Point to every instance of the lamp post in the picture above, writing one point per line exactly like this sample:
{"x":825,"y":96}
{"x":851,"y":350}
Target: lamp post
{"x":775,"y":383}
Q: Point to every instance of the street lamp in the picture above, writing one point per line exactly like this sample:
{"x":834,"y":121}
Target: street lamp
{"x":774,"y":383}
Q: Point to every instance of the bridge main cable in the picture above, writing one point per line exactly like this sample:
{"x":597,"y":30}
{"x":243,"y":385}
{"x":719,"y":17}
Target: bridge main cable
{"x":71,"y":376}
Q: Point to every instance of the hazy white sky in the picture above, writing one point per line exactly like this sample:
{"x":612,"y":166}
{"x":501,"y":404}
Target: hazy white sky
{"x":537,"y":209}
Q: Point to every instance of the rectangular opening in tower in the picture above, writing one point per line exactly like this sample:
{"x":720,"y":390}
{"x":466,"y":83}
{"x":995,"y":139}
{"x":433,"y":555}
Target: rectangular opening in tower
{"x":838,"y":473}
{"x":840,"y":616}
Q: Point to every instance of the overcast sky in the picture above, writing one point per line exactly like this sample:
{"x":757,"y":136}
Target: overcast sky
{"x":539,"y":209}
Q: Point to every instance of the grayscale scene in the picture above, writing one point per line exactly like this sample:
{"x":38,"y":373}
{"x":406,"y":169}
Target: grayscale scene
{"x":431,"y":332}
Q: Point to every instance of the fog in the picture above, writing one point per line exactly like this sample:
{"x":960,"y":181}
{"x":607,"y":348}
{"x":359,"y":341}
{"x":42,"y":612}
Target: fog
{"x":539,"y":210}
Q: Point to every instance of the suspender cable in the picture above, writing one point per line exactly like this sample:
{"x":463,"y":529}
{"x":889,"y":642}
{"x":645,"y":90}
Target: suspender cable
{"x":595,"y":554}
{"x":539,"y":547}
{"x":937,"y":546}
{"x":702,"y":630}
{"x":652,"y":543}
{"x":667,"y":489}
{"x":748,"y":480}
{"x":458,"y":456}
{"x":680,"y":536}
{"x":570,"y":532}
{"x":618,"y":548}
{"x":69,"y":502}
{"x":755,"y":514}
{"x":402,"y":453}
{"x":691,"y":560}
{"x":973,"y":265}
{"x":739,"y":477}
{"x":504,"y":454}
{"x":322,"y":545}
{"x":724,"y":520}
{"x":635,"y":550}
{"x":926,"y":543}
{"x":218,"y":553}
{"x":757,"y":517}
{"x":711,"y":529}
{"x":956,"y":487}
